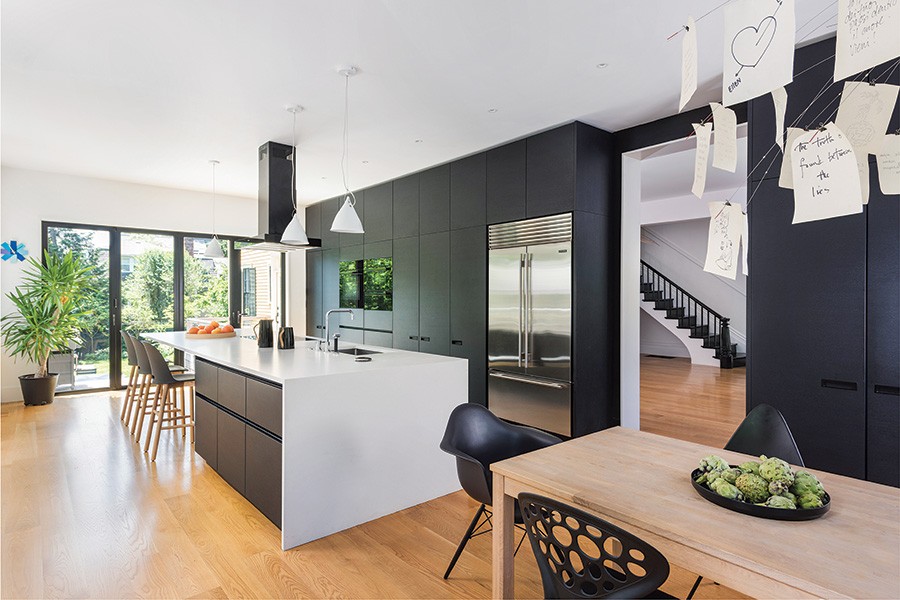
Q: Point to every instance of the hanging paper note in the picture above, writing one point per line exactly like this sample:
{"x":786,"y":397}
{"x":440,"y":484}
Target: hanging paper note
{"x":866,"y":35}
{"x":786,"y":178}
{"x":889,"y":164}
{"x":688,"y":63}
{"x":779,"y":97}
{"x":759,"y":48}
{"x":864,"y":113}
{"x":704,"y":132}
{"x":826,"y":178}
{"x":725,"y":228}
{"x":745,"y":245}
{"x":862,"y":168}
{"x":725,"y":126}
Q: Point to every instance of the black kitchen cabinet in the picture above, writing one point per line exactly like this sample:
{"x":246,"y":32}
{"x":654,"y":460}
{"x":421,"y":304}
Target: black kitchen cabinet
{"x":231,"y":450}
{"x":206,"y":431}
{"x":406,"y":206}
{"x":434,"y":293}
{"x":550,"y":172}
{"x":314,"y":221}
{"x":206,"y":379}
{"x":263,"y":469}
{"x":315,"y":315}
{"x":232,"y":392}
{"x":355,"y":239}
{"x":806,"y":315}
{"x":406,"y":293}
{"x":468,"y":305}
{"x":434,"y":200}
{"x":329,"y":210}
{"x":467,"y":191}
{"x":331,"y":285}
{"x":379,"y":215}
{"x":505,"y":183}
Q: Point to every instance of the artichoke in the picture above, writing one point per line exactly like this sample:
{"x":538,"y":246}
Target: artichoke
{"x":731,"y":475}
{"x":780,"y":502}
{"x":751,"y":466}
{"x":775,"y":469}
{"x":754,"y":488}
{"x":778,"y":487}
{"x":713,"y":463}
{"x":807,"y":483}
{"x":809,"y":501}
{"x":727,"y":490}
{"x":790,"y":497}
{"x":712,"y":476}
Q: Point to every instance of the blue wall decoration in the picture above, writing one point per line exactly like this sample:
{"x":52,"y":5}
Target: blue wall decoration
{"x":13,"y":250}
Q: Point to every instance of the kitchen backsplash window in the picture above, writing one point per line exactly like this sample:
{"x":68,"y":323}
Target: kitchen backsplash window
{"x":367,"y":284}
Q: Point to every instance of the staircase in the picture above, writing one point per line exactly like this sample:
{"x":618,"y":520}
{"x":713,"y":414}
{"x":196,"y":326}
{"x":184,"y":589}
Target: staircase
{"x":697,"y":319}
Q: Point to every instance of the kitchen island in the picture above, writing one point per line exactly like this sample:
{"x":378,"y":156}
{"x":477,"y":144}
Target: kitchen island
{"x":318,"y":441}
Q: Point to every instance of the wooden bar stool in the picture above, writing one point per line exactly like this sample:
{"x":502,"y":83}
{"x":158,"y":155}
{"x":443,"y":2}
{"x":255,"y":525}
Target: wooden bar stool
{"x":145,"y":384}
{"x":166,"y":405}
{"x":133,"y":375}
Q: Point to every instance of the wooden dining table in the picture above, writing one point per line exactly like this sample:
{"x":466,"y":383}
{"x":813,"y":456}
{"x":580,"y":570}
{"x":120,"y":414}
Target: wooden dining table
{"x":641,"y":482}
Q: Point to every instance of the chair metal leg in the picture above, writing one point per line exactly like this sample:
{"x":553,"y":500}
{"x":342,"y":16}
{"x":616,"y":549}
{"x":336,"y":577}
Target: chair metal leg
{"x":694,"y":589}
{"x":465,"y":540}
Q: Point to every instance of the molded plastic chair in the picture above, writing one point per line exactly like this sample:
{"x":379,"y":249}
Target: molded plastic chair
{"x":582,"y":556}
{"x":131,"y":388}
{"x":144,"y":382}
{"x":763,"y":431}
{"x":166,"y":407}
{"x":477,"y":438}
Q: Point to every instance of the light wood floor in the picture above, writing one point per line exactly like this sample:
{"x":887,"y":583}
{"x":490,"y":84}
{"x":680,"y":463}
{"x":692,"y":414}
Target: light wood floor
{"x":83,"y":513}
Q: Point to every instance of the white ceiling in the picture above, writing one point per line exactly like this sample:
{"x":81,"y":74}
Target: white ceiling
{"x":148,"y":92}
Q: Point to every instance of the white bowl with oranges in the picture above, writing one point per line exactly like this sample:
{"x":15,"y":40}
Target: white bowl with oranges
{"x":213,"y":330}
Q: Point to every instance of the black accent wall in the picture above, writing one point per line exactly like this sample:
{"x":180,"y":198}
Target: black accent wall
{"x":434,"y":225}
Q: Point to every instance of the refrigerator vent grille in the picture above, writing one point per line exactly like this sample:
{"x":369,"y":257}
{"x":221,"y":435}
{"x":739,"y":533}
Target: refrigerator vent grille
{"x":543,"y":230}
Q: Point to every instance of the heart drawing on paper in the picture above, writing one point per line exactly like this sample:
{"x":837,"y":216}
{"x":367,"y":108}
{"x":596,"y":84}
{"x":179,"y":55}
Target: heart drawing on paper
{"x":750,"y":43}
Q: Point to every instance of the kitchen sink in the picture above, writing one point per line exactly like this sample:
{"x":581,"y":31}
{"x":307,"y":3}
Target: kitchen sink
{"x":358,"y":351}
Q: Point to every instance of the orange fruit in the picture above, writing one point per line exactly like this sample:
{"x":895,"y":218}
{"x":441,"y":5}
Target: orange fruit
{"x":216,"y":330}
{"x":227,"y":328}
{"x":209,"y":328}
{"x":214,"y":324}
{"x":193,"y":330}
{"x":203,"y":332}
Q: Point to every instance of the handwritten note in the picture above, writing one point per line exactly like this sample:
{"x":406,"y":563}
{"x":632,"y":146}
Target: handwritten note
{"x":864,"y":113}
{"x":745,"y":243}
{"x":759,"y":48}
{"x":786,"y":177}
{"x":826,"y":176}
{"x":866,"y":35}
{"x":688,"y":63}
{"x":704,"y":132}
{"x":725,"y":126}
{"x":726,"y":224}
{"x":889,"y":164}
{"x":779,"y":97}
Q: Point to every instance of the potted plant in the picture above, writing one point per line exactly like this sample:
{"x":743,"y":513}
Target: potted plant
{"x":47,"y":317}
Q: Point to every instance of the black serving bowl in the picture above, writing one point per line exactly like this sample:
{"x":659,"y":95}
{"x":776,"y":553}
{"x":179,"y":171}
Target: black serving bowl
{"x":766,"y":512}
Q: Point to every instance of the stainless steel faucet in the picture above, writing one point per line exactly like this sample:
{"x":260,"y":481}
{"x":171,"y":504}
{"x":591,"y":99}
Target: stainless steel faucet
{"x":328,"y":322}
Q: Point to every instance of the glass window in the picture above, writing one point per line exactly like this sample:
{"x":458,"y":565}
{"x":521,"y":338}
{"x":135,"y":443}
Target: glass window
{"x":205,"y":283}
{"x":248,"y":285}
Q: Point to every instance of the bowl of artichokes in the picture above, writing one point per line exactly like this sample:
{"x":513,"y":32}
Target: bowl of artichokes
{"x":766,"y":488}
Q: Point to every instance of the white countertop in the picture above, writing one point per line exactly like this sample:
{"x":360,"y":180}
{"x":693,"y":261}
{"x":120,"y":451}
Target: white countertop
{"x":304,"y":361}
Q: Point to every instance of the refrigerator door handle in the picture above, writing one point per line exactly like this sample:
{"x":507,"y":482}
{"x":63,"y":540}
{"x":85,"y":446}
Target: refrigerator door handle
{"x":529,"y":329}
{"x":549,"y":384}
{"x":523,"y":349}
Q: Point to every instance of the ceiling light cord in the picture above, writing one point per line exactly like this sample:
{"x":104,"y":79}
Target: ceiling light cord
{"x":294,"y":161}
{"x":345,"y":154}
{"x":214,"y":162}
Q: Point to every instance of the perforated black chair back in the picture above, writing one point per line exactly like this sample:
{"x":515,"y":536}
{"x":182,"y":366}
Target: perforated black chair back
{"x":129,"y":348}
{"x":765,"y":431}
{"x":582,"y":556}
{"x":477,"y":438}
{"x":158,"y":365}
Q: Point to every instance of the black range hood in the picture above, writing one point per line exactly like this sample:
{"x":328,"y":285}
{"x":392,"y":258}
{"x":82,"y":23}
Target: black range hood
{"x":275,"y":205}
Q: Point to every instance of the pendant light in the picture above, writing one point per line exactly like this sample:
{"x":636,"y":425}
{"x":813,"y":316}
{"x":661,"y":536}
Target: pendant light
{"x":213,"y":248}
{"x":346,"y":220}
{"x":294,"y":233}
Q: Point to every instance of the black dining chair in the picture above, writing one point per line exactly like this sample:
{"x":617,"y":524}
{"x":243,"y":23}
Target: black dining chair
{"x":166,"y":407}
{"x":581,"y":555}
{"x":477,"y":438}
{"x":763,"y":431}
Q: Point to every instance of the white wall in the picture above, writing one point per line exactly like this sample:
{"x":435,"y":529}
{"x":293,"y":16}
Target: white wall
{"x":656,"y":339}
{"x":29,"y":197}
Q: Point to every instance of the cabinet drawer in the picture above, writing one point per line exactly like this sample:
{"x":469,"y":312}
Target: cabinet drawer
{"x":264,"y":474}
{"x":206,"y":379}
{"x":206,"y":431}
{"x":232,"y":392}
{"x":264,"y":405}
{"x":231,"y":450}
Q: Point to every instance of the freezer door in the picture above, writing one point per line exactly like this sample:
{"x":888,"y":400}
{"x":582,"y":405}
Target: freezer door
{"x":548,"y":323}
{"x":506,"y":309}
{"x":531,"y":401}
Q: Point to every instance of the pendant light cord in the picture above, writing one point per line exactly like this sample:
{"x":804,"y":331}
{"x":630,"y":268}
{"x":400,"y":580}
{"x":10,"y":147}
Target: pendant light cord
{"x":345,"y":154}
{"x":294,"y":162}
{"x":214,"y":162}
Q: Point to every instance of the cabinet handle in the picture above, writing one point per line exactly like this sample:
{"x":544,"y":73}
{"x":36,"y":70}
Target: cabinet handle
{"x":414,"y":337}
{"x":893,"y":390}
{"x":456,"y":342}
{"x":837,"y":384}
{"x":425,"y":339}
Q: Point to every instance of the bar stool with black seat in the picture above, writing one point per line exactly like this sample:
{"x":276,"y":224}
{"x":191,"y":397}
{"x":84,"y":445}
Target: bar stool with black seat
{"x":763,"y":431}
{"x":145,"y":385}
{"x":166,"y":406}
{"x":131,"y":388}
{"x":583,"y":556}
{"x":477,"y":438}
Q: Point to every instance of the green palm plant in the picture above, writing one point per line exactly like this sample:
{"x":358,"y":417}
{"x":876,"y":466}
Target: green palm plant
{"x":48,"y":308}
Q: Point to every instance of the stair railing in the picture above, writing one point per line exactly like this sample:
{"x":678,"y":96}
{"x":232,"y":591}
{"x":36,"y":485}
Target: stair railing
{"x":716,"y":324}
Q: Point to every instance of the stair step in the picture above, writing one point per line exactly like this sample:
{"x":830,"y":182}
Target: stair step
{"x":734,"y":351}
{"x":686,"y":322}
{"x":664,"y":304}
{"x":699,"y":331}
{"x":711,"y":341}
{"x":738,"y":360}
{"x":646,"y":287}
{"x":652,"y":296}
{"x":675,"y":313}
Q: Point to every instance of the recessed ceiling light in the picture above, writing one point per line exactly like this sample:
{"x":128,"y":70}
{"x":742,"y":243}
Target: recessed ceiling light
{"x":418,"y":141}
{"x":492,"y":110}
{"x":324,"y":178}
{"x":365,"y":162}
{"x":602,"y":65}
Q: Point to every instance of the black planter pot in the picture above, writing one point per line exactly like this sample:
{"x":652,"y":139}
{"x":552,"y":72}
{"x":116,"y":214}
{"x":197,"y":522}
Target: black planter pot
{"x":38,"y":390}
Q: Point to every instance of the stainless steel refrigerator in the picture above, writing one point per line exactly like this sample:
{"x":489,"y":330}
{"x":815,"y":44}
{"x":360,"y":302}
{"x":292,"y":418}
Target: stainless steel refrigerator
{"x":530,"y":322}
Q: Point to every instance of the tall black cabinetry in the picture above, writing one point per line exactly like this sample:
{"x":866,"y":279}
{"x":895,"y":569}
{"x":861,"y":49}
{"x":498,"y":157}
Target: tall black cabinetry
{"x":824,"y":333}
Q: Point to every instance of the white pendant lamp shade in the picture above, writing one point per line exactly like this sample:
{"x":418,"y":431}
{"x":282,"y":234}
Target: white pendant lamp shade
{"x":214,"y":249}
{"x":294,"y":234}
{"x":346,"y":220}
